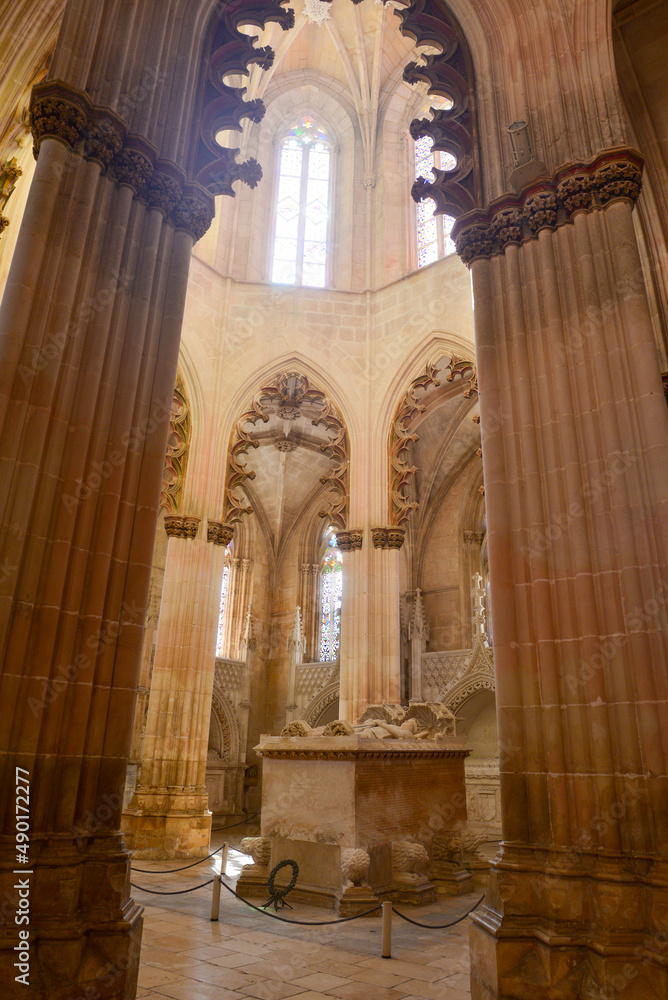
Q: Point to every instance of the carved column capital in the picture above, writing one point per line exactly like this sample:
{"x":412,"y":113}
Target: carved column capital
{"x":391,"y":537}
{"x":350,"y":539}
{"x":219,"y":533}
{"x":61,"y":112}
{"x":178,"y":526}
{"x":473,"y":537}
{"x":548,"y":203}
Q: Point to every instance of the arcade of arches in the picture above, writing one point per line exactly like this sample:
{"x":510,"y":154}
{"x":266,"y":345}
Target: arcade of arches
{"x":272,"y":451}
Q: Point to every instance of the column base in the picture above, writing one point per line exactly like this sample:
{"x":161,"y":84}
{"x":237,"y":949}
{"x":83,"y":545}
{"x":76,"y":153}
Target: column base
{"x":168,"y":831}
{"x":602,"y":935}
{"x":84,"y":931}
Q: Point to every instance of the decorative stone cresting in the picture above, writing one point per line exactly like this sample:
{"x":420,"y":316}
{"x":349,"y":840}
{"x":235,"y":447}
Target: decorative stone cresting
{"x":59,"y":111}
{"x":177,"y":526}
{"x":548,"y":203}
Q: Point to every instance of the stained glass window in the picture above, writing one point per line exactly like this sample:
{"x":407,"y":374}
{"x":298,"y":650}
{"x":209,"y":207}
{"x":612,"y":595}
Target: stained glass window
{"x":223,"y":601}
{"x":302,"y":207}
{"x":433,"y":231}
{"x":331,"y":581}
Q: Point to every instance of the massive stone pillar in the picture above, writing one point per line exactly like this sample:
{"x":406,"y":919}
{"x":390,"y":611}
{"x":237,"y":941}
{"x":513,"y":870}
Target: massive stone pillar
{"x":370,"y":626}
{"x":168,"y":816}
{"x":575,"y":452}
{"x":89,"y":336}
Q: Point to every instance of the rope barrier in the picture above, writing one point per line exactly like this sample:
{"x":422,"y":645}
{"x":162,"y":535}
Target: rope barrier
{"x":176,"y":892}
{"x":305,"y":923}
{"x":438,"y":927}
{"x":169,"y":871}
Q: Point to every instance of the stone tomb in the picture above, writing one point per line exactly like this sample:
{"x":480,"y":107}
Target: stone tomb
{"x":329,"y":801}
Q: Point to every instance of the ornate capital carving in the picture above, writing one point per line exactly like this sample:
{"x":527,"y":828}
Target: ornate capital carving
{"x":391,"y":537}
{"x":473,"y":537}
{"x":219,"y":533}
{"x":349,"y":540}
{"x":621,"y":179}
{"x":177,"y":526}
{"x":548,"y":203}
{"x":96,"y":133}
{"x":576,"y":192}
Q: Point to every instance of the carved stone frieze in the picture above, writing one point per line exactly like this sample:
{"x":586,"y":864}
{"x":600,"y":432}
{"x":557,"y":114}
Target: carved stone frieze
{"x":548,"y":203}
{"x":219,"y":533}
{"x":177,"y":526}
{"x":350,"y":539}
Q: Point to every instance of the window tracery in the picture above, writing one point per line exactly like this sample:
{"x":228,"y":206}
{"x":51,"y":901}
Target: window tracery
{"x":302,"y":216}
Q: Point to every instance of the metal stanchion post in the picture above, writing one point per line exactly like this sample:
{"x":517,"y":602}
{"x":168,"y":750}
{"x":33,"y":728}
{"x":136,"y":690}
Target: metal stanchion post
{"x":223,"y":863}
{"x":215,"y":902}
{"x":387,"y":929}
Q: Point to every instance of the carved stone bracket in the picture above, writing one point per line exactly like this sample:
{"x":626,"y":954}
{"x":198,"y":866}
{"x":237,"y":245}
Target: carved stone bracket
{"x":391,"y":537}
{"x":548,"y":203}
{"x":219,"y":533}
{"x":59,"y":111}
{"x":181,"y":527}
{"x":349,"y":540}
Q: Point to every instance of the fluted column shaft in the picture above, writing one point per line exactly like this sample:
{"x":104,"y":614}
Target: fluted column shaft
{"x":575,"y":452}
{"x":89,"y":335}
{"x":370,"y":626}
{"x":168,"y":815}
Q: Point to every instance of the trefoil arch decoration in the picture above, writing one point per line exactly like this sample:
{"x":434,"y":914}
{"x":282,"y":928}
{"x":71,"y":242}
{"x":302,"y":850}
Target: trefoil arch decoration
{"x":407,"y":416}
{"x":232,"y":52}
{"x":452,"y":126}
{"x":289,"y":395}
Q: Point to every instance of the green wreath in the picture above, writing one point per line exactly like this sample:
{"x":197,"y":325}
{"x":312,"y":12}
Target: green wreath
{"x":277,"y":896}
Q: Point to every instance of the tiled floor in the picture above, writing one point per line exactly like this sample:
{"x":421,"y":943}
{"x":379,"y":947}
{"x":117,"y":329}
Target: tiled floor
{"x":186,"y":956}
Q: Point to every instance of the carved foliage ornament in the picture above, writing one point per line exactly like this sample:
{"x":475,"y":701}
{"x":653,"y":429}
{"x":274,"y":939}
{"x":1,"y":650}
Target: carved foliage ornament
{"x":290,"y":396}
{"x":549,"y":203}
{"x":61,"y":112}
{"x":178,"y":444}
{"x":406,"y":418}
{"x":181,"y":527}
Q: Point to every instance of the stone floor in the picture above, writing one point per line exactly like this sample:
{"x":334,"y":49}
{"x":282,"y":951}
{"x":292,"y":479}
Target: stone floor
{"x":186,"y":956}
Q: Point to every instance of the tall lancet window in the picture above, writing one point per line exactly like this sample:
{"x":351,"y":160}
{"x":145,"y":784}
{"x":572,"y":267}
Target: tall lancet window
{"x":224,"y":593}
{"x":433,"y":231}
{"x":302,"y":207}
{"x":331,"y":585}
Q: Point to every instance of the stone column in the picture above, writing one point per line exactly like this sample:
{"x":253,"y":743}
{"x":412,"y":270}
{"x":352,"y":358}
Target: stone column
{"x":89,"y":336}
{"x":296,"y":644}
{"x":168,"y":816}
{"x":309,"y":578}
{"x":575,"y":451}
{"x":370,"y":626}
